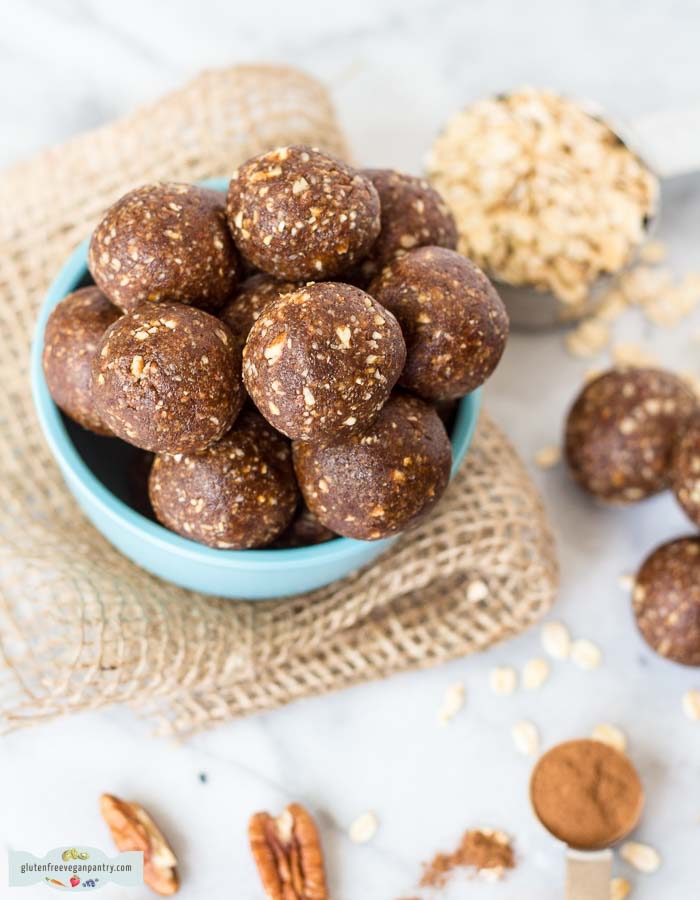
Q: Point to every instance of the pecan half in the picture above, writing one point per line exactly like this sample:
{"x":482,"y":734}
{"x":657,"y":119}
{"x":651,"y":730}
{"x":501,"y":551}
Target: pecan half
{"x":133,"y":829}
{"x":287,"y":852}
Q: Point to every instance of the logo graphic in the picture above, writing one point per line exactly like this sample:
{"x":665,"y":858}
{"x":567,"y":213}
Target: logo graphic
{"x":76,"y":868}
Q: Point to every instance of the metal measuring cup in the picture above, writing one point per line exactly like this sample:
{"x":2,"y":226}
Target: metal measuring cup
{"x":668,"y":144}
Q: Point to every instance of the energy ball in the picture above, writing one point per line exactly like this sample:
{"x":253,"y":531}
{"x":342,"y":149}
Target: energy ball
{"x":73,"y":331}
{"x":305,"y":531}
{"x":454,"y":322}
{"x":321,"y":362}
{"x":242,"y":310}
{"x":238,"y":493}
{"x":165,"y":242}
{"x":413,"y":215}
{"x":167,"y":378}
{"x":685,"y":471}
{"x":666,"y":601}
{"x":382,"y":480}
{"x":299,"y":214}
{"x":621,"y":432}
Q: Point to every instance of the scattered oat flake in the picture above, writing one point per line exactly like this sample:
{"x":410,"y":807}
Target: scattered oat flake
{"x":556,"y":640}
{"x":477,"y":591}
{"x":588,"y":338}
{"x":548,"y":457}
{"x":631,"y":354}
{"x":452,"y":702}
{"x":610,"y":735}
{"x":691,"y":704}
{"x":363,"y":828}
{"x":535,"y":673}
{"x":503,"y":680}
{"x":526,"y":738}
{"x":585,"y":654}
{"x":626,"y":582}
{"x":620,"y":889}
{"x":652,"y":252}
{"x":643,"y":857}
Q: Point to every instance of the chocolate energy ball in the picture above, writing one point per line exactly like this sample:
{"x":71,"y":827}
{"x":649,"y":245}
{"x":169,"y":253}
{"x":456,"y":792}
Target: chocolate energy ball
{"x":413,"y":215}
{"x":167,"y":378}
{"x":621,"y":431}
{"x":298,"y":214}
{"x":243,"y":310}
{"x":238,"y":493}
{"x":382,"y":480}
{"x":666,"y":601}
{"x":685,"y":471}
{"x":73,"y":331}
{"x":321,"y":362}
{"x":305,"y":531}
{"x":165,"y":242}
{"x":454,"y":322}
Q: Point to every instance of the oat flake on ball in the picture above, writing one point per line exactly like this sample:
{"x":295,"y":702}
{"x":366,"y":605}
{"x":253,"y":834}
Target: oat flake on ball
{"x":165,"y":242}
{"x":666,"y":600}
{"x":166,"y":378}
{"x":244,"y":308}
{"x":454,"y":322}
{"x":299,"y":214}
{"x":73,"y":331}
{"x":685,"y":471}
{"x":382,"y":480}
{"x":238,"y":493}
{"x":621,"y":432}
{"x":320,"y":363}
{"x":413,"y":215}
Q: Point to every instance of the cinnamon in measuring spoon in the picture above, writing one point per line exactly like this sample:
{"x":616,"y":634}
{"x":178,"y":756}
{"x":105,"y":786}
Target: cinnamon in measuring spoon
{"x":587,"y":794}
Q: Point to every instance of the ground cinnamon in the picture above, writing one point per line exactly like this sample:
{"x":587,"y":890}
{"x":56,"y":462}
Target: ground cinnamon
{"x":489,"y":852}
{"x":586,"y":793}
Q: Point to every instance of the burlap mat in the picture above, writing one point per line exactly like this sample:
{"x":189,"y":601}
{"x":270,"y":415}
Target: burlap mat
{"x":80,"y":626}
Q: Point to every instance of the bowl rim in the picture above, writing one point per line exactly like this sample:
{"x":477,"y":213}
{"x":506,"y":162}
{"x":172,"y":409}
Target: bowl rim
{"x":75,"y":470}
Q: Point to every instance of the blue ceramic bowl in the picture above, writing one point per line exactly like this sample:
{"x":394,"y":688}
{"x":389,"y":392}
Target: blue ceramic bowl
{"x":96,"y":471}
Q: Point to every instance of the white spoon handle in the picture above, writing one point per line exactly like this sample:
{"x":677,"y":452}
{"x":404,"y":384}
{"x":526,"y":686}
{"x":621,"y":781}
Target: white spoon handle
{"x":588,"y":874}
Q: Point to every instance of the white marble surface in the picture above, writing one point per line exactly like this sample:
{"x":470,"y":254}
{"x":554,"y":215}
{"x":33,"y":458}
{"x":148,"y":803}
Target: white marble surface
{"x":396,"y":68}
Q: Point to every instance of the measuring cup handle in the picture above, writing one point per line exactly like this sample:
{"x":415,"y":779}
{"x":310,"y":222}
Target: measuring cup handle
{"x":588,"y":874}
{"x":668,"y":142}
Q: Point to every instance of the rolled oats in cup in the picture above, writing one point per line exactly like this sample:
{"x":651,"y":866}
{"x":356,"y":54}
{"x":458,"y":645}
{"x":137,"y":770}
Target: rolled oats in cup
{"x":545,"y":194}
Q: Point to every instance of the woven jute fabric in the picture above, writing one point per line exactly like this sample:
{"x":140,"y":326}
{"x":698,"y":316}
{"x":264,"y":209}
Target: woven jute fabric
{"x":80,"y":626}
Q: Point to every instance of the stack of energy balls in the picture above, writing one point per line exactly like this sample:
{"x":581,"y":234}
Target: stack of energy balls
{"x":281,"y":350}
{"x":633,"y":433}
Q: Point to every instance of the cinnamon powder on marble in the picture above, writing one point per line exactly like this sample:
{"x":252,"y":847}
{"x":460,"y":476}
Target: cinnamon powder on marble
{"x":488,"y":852}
